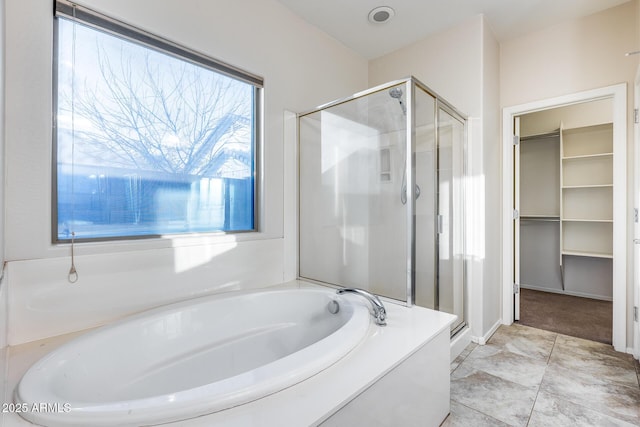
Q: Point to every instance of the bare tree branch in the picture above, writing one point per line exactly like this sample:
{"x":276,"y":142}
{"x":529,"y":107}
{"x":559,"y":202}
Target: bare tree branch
{"x":171,"y":116}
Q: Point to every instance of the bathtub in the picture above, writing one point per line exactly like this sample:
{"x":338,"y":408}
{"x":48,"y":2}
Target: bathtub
{"x":191,"y":358}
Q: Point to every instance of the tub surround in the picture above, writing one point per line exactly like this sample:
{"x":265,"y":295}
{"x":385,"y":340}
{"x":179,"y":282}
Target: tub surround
{"x":112,"y":286}
{"x":315,"y":400}
{"x":414,"y":393}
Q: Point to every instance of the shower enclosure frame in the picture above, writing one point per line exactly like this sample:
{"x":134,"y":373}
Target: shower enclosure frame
{"x":410,"y":84}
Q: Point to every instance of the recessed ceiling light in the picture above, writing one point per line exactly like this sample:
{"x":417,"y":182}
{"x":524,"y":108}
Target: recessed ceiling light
{"x":381,"y":14}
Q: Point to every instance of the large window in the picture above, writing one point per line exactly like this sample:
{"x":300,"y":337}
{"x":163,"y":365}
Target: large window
{"x":150,"y":138}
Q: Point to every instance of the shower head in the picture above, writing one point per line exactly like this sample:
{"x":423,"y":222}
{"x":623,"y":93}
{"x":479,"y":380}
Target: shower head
{"x":396,"y":93}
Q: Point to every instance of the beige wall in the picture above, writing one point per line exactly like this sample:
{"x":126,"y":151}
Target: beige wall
{"x":578,"y":55}
{"x":492,"y":291}
{"x":461,"y":64}
{"x":448,"y":62}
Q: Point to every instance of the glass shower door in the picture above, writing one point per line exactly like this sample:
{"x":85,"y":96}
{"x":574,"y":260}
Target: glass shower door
{"x":439,"y":244}
{"x":353,"y":222}
{"x":450,"y":222}
{"x":425,"y":266}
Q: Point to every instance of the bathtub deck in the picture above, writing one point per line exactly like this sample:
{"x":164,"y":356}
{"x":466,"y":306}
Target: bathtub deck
{"x":307,"y":403}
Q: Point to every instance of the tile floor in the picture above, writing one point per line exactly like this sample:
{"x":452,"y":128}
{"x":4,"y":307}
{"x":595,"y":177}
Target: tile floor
{"x":530,"y":377}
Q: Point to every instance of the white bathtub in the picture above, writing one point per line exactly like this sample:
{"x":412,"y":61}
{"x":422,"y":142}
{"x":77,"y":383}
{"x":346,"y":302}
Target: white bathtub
{"x":191,"y":358}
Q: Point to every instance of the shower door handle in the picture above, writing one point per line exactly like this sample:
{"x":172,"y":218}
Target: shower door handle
{"x":403,"y":194}
{"x":440,"y":224}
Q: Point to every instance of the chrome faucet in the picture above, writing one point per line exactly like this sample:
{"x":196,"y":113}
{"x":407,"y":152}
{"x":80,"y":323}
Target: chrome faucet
{"x":379,"y":312}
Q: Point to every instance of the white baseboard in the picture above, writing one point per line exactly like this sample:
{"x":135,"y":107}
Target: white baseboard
{"x":483,"y":339}
{"x":571,"y":293}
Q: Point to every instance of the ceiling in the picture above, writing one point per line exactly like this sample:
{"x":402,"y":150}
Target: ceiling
{"x":347,"y":20}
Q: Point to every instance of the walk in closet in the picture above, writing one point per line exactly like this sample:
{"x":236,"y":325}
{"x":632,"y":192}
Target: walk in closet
{"x":565,"y":196}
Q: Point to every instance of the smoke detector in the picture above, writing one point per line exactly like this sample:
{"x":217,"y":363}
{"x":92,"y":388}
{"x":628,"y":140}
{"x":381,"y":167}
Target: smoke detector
{"x":381,"y":14}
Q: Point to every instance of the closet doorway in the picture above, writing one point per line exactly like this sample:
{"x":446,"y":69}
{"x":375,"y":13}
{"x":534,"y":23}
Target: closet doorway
{"x":564,"y":237}
{"x":564,"y":230}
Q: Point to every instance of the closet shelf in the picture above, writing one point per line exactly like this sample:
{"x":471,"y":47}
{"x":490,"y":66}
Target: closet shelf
{"x":586,"y":156}
{"x":586,"y":204}
{"x":586,"y":220}
{"x":587,"y":254}
{"x":569,"y":187}
{"x":581,"y":129}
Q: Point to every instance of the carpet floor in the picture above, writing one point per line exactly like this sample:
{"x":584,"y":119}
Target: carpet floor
{"x":574,"y":316}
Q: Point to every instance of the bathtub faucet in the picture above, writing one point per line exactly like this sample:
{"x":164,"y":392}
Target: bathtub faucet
{"x":379,"y":312}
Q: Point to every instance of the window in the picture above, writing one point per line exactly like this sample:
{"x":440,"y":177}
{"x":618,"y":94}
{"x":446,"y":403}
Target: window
{"x":149,"y":138}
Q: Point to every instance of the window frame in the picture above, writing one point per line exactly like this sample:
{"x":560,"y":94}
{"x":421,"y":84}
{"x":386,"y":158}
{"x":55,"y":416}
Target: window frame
{"x":100,"y":22}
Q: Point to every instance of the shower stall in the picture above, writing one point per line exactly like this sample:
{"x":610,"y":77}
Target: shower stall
{"x":381,"y":182}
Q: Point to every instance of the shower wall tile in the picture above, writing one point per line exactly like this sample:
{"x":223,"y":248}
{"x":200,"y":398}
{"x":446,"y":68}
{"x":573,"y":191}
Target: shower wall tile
{"x":44,"y":303}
